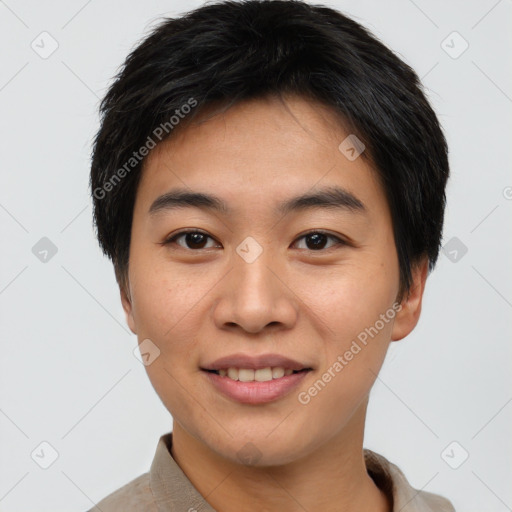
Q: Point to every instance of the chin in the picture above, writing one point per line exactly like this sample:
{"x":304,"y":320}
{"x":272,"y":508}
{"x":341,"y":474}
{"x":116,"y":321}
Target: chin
{"x":259,"y":450}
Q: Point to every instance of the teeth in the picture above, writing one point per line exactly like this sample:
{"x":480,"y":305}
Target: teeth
{"x":277,"y":372}
{"x":245,"y":375}
{"x":263,"y":374}
{"x":233,"y":373}
{"x":250,"y":375}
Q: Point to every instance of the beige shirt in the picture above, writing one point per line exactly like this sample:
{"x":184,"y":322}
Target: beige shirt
{"x":167,"y":489}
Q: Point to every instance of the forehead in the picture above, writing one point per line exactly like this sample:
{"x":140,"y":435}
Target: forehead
{"x":259,"y":152}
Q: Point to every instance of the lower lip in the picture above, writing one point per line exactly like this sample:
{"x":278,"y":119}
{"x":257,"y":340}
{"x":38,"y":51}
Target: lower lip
{"x":256,"y":392}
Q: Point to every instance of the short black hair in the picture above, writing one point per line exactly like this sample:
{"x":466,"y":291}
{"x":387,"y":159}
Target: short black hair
{"x":230,"y":51}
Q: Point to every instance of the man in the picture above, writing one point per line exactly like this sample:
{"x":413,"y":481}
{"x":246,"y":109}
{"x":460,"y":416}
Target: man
{"x":269,"y":182}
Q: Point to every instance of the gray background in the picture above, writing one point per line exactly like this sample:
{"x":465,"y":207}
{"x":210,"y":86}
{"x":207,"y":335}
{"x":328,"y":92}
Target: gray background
{"x":68,"y":375}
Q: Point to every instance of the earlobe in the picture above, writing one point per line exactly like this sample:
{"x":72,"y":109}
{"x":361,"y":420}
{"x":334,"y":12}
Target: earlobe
{"x":127,"y":306}
{"x":408,"y":316}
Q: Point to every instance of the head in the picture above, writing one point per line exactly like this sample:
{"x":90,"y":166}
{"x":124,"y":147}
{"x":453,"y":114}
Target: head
{"x":309,"y":169}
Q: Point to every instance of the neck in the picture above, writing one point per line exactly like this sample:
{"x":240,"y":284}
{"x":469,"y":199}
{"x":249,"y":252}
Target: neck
{"x":332,"y":478}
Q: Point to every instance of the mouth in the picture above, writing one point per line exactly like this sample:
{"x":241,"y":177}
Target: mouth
{"x":255,"y":379}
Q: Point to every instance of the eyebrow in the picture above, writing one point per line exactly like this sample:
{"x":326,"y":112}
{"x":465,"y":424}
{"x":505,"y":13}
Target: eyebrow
{"x":333,"y":197}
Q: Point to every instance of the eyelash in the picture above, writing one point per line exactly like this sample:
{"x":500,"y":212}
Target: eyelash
{"x":339,"y":241}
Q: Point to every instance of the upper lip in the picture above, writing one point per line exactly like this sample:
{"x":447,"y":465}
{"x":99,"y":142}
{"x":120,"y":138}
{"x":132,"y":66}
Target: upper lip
{"x":255,"y":362}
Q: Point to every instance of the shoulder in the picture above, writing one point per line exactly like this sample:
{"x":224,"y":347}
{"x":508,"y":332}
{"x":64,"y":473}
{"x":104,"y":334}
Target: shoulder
{"x":135,"y":495}
{"x":389,"y":477}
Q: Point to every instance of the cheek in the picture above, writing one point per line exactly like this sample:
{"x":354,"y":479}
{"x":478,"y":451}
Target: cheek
{"x":167,"y":308}
{"x":165,"y":299}
{"x":352,"y":358}
{"x":348,"y":303}
{"x":357,"y":315}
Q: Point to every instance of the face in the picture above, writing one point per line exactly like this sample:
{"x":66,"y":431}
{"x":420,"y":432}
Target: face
{"x":257,"y":273}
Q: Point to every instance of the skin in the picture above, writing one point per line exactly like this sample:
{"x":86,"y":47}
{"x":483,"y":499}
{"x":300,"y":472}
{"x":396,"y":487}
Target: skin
{"x":198,"y":305}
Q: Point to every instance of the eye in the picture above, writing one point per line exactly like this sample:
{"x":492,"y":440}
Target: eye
{"x":317,"y":240}
{"x":192,"y":239}
{"x":197,"y":240}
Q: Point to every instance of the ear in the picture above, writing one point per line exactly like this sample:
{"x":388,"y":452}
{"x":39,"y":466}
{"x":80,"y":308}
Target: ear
{"x":408,"y":316}
{"x":128,"y":309}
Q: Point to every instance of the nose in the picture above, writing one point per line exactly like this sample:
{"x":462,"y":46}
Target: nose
{"x":255,"y":297}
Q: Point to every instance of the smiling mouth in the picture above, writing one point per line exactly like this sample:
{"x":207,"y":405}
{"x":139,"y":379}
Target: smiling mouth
{"x":259,"y":375}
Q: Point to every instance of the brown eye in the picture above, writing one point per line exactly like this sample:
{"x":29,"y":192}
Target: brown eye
{"x":317,"y":240}
{"x":193,"y":240}
{"x":197,"y":240}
